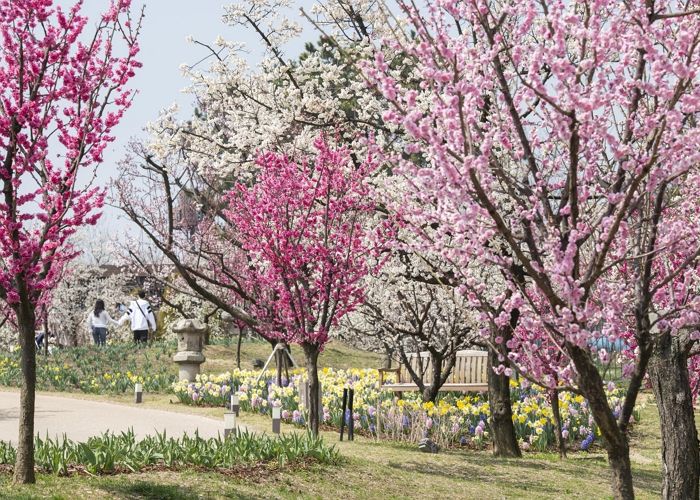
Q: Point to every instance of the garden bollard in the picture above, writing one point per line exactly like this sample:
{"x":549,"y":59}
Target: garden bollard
{"x":138,"y":393}
{"x":235,"y":405}
{"x":276,"y":419}
{"x":229,"y":423}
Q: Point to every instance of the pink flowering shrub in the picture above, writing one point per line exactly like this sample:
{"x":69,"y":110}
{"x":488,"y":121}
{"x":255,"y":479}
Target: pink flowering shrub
{"x":303,"y":228}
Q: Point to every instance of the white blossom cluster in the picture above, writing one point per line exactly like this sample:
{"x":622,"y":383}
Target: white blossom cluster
{"x":279,"y":104}
{"x":412,"y":306}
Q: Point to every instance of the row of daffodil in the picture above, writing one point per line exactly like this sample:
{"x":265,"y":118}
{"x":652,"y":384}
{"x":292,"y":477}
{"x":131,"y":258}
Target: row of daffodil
{"x":455,"y":419}
{"x":111,"y":369}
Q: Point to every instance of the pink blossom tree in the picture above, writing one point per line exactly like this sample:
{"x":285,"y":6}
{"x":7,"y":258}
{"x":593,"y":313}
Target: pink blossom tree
{"x":62,"y":93}
{"x":303,"y":226}
{"x":549,"y":135}
{"x":663,"y":279}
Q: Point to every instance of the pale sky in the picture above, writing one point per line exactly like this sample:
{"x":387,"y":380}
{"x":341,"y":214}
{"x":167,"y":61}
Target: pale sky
{"x":164,"y":48}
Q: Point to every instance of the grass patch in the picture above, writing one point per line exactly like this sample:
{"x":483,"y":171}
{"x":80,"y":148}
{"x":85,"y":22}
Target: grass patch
{"x":380,"y":473}
{"x":221,"y":358}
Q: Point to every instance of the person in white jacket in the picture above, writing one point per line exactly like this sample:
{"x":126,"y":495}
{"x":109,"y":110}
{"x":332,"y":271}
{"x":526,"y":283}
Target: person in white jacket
{"x":141,"y":316}
{"x":98,"y":320}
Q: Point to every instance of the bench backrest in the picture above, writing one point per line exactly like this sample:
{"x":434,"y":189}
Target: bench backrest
{"x":470,"y":368}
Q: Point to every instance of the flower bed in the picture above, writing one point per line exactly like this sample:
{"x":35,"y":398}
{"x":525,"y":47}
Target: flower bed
{"x":107,"y":370}
{"x":456,"y":419}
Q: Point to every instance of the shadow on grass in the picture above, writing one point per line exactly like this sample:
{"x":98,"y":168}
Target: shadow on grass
{"x":504,"y":476}
{"x":147,"y":490}
{"x":545,"y":478}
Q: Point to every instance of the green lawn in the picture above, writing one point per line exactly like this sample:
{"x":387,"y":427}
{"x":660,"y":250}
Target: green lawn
{"x":374,"y":470}
{"x":221,"y":358}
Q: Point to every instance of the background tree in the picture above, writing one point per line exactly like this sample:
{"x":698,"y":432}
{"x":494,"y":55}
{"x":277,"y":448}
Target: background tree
{"x":186,"y":164}
{"x":59,"y":101}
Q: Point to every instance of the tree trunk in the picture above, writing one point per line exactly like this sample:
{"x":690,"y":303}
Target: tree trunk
{"x":238,"y":348}
{"x":280,"y":359}
{"x":24,"y":466}
{"x":619,"y":460}
{"x":505,"y":444}
{"x":387,"y":357}
{"x":311,"y":352}
{"x":668,"y":371}
{"x":207,"y":334}
{"x":561,"y":443}
{"x":430,"y":391}
{"x":617,"y":445}
{"x":46,"y":334}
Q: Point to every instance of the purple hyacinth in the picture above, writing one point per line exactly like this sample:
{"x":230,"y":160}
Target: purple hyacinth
{"x":586,"y":443}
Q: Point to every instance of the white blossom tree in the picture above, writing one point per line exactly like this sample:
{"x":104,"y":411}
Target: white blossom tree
{"x":412,"y":310}
{"x":75,"y":297}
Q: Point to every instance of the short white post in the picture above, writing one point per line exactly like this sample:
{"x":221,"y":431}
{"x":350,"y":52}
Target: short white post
{"x":276,"y":419}
{"x":138,"y":393}
{"x":229,"y":423}
{"x":235,"y":404}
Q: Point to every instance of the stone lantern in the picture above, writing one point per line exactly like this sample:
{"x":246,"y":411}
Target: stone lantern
{"x":190,"y":340}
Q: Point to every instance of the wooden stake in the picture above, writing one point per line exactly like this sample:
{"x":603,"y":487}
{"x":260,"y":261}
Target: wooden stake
{"x":342,"y":418}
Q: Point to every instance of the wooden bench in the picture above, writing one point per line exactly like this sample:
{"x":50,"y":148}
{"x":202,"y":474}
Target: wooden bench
{"x":468,"y":374}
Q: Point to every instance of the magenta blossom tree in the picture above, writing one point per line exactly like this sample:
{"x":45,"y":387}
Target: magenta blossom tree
{"x":303,"y":226}
{"x":548,"y":137}
{"x":62,"y":90}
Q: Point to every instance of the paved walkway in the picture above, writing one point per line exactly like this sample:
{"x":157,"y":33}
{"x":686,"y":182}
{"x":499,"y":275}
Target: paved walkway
{"x":80,"y":419}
